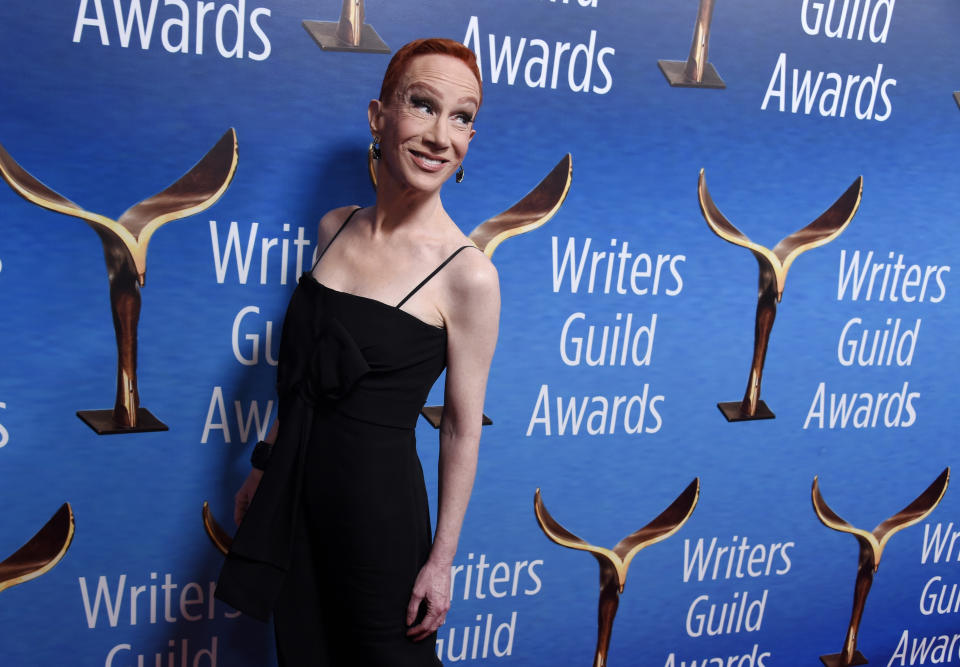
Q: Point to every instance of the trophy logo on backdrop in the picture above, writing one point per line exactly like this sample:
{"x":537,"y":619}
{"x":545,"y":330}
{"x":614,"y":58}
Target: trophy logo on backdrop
{"x":956,"y":98}
{"x":871,"y":549}
{"x":350,"y":33}
{"x":615,"y":562}
{"x":41,"y":552}
{"x":125,"y":251}
{"x":774,"y":265}
{"x":221,"y":538}
{"x":695,"y":71}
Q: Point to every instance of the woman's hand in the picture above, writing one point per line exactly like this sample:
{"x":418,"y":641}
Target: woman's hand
{"x":432,"y":589}
{"x":241,"y":501}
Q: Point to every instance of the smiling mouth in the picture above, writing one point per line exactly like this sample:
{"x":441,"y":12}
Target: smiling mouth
{"x":427,"y":160}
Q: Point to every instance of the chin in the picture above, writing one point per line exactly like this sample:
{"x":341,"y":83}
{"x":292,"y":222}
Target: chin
{"x":426,"y":182}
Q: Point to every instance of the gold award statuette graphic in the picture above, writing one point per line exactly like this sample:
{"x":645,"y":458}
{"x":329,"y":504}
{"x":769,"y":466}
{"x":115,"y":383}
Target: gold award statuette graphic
{"x":221,"y":539}
{"x":125,"y":250}
{"x":42,"y":552}
{"x":532,"y":211}
{"x":774,"y":265}
{"x":350,"y":33}
{"x":695,"y":71}
{"x":614,"y":562}
{"x":956,"y":98}
{"x":871,"y":549}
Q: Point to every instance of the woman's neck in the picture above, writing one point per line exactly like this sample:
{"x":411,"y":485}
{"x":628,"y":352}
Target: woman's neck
{"x":397,"y":207}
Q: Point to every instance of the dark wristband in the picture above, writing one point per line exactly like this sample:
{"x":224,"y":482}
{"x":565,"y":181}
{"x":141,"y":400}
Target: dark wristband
{"x":261,"y":455}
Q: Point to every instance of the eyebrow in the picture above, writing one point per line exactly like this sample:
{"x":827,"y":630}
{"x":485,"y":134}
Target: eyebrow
{"x":433,"y":91}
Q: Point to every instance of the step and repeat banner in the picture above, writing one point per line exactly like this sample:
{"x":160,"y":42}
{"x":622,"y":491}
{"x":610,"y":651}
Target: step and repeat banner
{"x":727,"y":362}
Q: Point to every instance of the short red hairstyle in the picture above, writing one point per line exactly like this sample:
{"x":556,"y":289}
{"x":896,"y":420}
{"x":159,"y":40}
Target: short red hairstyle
{"x":423,"y":47}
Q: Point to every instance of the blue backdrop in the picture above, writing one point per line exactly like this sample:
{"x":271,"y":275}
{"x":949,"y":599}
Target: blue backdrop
{"x":107,"y":112}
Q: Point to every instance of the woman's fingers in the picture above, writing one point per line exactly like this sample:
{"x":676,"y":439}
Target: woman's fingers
{"x":430,"y":599}
{"x":413,"y":608}
{"x":436,"y":613}
{"x":426,"y":627}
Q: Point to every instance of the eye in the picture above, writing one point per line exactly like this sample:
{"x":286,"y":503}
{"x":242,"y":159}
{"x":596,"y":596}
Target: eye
{"x":421,"y":104}
{"x":463,"y":118}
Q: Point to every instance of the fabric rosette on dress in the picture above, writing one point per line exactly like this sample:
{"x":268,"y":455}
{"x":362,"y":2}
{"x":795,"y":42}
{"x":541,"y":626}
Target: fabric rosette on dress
{"x":335,"y":366}
{"x":335,"y":363}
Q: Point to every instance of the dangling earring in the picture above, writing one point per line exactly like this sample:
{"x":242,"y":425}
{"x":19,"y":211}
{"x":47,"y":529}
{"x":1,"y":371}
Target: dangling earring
{"x":459,"y":175}
{"x":373,"y":158}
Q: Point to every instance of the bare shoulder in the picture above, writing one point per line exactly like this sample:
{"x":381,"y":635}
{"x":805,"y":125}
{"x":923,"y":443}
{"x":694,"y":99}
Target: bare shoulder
{"x":471,"y":316}
{"x":473,"y":275}
{"x":331,"y":221}
{"x":472,"y":294}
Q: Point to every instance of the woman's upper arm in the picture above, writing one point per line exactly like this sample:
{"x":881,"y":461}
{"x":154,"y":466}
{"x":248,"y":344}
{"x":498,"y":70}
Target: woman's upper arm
{"x":472,"y":321}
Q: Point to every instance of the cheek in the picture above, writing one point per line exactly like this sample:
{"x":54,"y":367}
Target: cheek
{"x":408,"y":126}
{"x":461,"y":140}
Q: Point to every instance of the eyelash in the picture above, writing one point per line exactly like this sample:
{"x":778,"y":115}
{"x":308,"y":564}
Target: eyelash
{"x":418,"y":102}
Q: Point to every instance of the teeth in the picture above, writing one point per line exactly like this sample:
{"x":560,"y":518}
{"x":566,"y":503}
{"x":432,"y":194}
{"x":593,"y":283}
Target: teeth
{"x":430,"y":161}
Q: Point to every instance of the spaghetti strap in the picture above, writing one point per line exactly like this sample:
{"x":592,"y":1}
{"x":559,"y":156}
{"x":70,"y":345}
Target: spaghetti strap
{"x":334,"y":237}
{"x":434,"y":272}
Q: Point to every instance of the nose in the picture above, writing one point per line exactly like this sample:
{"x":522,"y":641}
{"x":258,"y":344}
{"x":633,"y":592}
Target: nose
{"x":438,"y":134}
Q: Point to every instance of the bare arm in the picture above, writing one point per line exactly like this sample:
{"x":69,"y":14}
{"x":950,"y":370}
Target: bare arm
{"x":472,"y":322}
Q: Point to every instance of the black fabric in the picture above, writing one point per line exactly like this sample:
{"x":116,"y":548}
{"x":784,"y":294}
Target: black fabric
{"x":339,"y":527}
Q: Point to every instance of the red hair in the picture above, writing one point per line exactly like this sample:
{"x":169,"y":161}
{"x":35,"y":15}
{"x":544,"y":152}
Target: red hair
{"x":421,"y":47}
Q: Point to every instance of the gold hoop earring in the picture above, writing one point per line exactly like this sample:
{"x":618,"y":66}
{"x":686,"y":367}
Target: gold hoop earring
{"x":459,"y":175}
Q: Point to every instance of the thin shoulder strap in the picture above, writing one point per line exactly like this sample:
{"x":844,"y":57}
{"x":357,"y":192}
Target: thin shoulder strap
{"x":334,"y":237}
{"x":434,"y":272}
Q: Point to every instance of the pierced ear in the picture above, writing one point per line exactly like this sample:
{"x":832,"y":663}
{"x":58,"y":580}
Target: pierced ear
{"x":375,"y":116}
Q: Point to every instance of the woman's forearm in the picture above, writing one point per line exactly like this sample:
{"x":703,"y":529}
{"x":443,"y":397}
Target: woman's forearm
{"x":457,"y":469}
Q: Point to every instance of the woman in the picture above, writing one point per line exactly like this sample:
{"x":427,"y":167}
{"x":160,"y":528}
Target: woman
{"x":336,"y":542}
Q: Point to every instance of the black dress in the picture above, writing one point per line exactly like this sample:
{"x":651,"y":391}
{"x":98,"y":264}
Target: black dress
{"x":339,"y":527}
